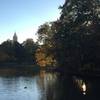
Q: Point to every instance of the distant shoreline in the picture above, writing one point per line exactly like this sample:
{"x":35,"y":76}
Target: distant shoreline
{"x":17,"y":65}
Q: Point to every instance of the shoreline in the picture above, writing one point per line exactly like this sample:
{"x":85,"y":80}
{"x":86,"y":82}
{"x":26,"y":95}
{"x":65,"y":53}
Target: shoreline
{"x":35,"y":68}
{"x":13,"y":65}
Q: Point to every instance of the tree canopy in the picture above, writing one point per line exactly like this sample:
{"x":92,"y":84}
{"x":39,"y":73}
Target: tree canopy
{"x":76,"y":39}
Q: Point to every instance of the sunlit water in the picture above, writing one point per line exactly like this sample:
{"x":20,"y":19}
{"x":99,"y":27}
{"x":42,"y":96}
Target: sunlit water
{"x":25,"y":87}
{"x":46,"y":86}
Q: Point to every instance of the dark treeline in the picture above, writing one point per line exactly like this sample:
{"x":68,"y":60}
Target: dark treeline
{"x":70,"y":43}
{"x":78,"y":38}
{"x":14,"y":52}
{"x":73,"y":41}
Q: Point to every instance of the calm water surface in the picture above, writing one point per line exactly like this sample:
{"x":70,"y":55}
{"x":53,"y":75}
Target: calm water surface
{"x":46,"y":86}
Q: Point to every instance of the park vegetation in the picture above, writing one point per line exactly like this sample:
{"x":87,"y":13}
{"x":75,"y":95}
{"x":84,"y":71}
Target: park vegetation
{"x":72,"y":42}
{"x":14,"y":52}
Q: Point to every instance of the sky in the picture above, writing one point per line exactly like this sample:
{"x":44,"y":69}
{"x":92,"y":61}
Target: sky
{"x":24,"y":17}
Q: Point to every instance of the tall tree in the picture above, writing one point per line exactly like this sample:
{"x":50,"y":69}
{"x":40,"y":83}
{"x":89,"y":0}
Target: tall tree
{"x":45,"y":52}
{"x":29,"y":49}
{"x":76,"y":38}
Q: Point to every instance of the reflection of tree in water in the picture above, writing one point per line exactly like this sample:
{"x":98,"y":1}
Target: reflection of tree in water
{"x":54,"y":87}
{"x":47,"y":84}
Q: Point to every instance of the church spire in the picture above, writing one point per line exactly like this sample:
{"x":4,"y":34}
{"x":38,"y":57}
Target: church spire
{"x":15,"y":37}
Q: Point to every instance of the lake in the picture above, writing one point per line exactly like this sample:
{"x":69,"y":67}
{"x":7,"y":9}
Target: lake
{"x":16,"y":85}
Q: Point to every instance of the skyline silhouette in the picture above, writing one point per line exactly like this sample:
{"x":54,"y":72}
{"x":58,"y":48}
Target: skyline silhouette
{"x":24,"y":17}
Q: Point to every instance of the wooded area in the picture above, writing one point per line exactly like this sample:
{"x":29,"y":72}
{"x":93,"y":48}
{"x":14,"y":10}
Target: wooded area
{"x":72,"y":42}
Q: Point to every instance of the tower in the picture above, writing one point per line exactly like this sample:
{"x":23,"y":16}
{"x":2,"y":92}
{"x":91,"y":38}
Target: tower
{"x":15,"y":37}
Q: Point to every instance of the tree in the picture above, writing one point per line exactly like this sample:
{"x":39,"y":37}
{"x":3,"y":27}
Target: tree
{"x":76,"y":38}
{"x":43,"y":32}
{"x":7,"y":51}
{"x":12,"y":52}
{"x":19,"y":52}
{"x":45,"y":58}
{"x":45,"y":53}
{"x":29,"y":48}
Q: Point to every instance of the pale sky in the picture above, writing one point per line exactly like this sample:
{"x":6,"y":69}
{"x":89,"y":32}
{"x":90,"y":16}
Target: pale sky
{"x":24,"y":17}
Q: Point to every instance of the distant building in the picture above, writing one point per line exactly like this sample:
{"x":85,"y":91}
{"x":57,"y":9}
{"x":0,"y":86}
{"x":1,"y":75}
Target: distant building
{"x":15,"y":37}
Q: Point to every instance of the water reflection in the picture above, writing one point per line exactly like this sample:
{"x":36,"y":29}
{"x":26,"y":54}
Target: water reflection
{"x":81,"y":84}
{"x":47,"y":86}
{"x":39,"y":86}
{"x":84,"y":88}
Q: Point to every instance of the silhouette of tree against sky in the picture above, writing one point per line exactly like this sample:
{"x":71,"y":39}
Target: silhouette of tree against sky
{"x":76,"y":39}
{"x":45,"y":52}
{"x":12,"y":51}
{"x":71,"y":42}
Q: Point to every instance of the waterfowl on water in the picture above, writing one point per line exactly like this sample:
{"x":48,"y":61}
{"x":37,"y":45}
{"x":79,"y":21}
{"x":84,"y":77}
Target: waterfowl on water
{"x":25,"y":87}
